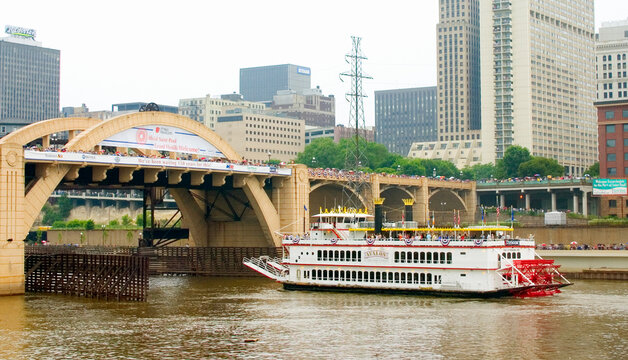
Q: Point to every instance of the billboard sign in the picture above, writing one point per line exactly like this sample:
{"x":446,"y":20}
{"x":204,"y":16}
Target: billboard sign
{"x":615,"y":187}
{"x":20,"y":31}
{"x":303,"y":70}
{"x":163,"y":138}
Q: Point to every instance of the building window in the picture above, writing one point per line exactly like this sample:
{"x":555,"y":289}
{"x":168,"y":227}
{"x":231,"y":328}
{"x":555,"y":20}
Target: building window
{"x":610,"y":115}
{"x":611,"y":171}
{"x":610,"y":129}
{"x":612,"y":203}
{"x":624,"y":113}
{"x":611,"y":157}
{"x":610,"y":142}
{"x":626,"y":155}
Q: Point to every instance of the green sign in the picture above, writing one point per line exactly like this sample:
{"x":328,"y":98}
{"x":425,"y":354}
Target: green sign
{"x":616,"y":187}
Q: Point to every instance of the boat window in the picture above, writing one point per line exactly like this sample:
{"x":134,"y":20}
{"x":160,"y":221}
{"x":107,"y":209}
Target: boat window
{"x":416,"y":278}
{"x":435,"y":255}
{"x":336,"y":255}
{"x":429,"y":258}
{"x":449,"y":258}
{"x":324,"y":255}
{"x":342,"y":255}
{"x":409,"y":256}
{"x":384,"y":277}
{"x":359,"y":275}
{"x":518,"y":255}
{"x":403,"y":257}
{"x":320,"y":255}
{"x":342,"y":275}
{"x":359,"y":256}
{"x":422,"y":278}
{"x":508,"y":256}
{"x":397,"y":277}
{"x":442,"y":258}
{"x":429,"y":278}
{"x":320,"y":274}
{"x":403,"y":278}
{"x":390,"y":277}
{"x":378,"y":277}
{"x":336,"y":275}
{"x":416,"y":257}
{"x":372,"y":278}
{"x":422,"y":257}
{"x":353,"y":256}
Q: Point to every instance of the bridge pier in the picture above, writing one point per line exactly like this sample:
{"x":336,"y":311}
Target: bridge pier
{"x":12,"y":226}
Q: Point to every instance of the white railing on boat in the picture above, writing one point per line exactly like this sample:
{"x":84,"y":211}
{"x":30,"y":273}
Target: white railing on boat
{"x":266,"y":266}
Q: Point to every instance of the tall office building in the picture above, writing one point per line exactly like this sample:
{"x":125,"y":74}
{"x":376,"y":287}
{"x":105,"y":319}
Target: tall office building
{"x":309,"y":105}
{"x":538,"y":84}
{"x":262,"y":83}
{"x":458,"y":70}
{"x":404,"y":116}
{"x":610,"y":61}
{"x":29,"y":80}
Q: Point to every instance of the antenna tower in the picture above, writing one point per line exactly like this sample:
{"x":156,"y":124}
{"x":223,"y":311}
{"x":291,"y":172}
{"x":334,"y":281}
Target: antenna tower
{"x":356,"y":152}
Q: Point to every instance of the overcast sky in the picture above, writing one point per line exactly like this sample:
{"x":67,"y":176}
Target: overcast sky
{"x":162,"y":51}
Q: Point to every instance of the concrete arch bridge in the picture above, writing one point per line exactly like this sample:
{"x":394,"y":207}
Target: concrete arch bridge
{"x":221,"y":203}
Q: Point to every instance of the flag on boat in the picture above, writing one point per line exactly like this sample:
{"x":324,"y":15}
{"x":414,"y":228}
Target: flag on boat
{"x":512,"y":213}
{"x":304,"y":207}
{"x":482,"y":208}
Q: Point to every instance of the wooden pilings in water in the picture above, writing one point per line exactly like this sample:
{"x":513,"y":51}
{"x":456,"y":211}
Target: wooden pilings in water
{"x":212,"y":261}
{"x":109,"y":277}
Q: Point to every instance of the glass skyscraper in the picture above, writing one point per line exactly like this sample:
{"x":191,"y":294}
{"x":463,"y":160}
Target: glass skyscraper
{"x":29,"y":83}
{"x":262,"y":83}
{"x":405,"y":116}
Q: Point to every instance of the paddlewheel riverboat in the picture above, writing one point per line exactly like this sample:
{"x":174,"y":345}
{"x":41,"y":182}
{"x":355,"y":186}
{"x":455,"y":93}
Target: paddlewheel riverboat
{"x":346,"y":250}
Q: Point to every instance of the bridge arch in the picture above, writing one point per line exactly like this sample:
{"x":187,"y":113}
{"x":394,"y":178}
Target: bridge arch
{"x":393,"y":205}
{"x":93,"y":132}
{"x":335,"y":191}
{"x":443,"y":202}
{"x":45,"y":128}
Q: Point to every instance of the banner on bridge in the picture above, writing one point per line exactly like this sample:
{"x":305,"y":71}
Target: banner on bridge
{"x":163,"y":138}
{"x":615,"y":187}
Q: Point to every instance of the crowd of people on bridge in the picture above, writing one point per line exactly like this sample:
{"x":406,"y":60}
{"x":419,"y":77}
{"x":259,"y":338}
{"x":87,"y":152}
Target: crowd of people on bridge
{"x":159,"y":155}
{"x":575,"y":246}
{"x":339,"y":174}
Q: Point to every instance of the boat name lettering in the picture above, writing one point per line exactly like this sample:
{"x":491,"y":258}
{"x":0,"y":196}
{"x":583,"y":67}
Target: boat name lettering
{"x":512,"y":242}
{"x":376,"y":254}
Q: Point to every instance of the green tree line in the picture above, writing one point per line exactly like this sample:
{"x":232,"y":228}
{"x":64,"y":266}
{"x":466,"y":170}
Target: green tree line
{"x":517,"y":162}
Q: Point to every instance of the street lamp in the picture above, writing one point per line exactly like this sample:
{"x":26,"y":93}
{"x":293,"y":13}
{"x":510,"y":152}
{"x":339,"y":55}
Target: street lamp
{"x":269,"y":157}
{"x":460,"y":174}
{"x":313,"y":161}
{"x":398,"y":169}
{"x":434,"y":172}
{"x":54,"y":140}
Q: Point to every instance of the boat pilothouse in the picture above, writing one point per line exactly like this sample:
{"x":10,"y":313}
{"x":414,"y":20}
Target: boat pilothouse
{"x":350,"y":250}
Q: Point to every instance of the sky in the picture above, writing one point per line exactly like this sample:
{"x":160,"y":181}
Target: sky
{"x":162,"y":51}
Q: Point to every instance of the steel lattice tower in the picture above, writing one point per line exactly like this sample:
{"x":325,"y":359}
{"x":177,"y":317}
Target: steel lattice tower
{"x":356,"y":153}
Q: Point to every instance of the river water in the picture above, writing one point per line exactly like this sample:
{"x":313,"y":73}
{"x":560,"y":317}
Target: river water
{"x":193,"y":317}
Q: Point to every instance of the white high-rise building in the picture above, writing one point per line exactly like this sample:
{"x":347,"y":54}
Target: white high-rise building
{"x":538,"y":80}
{"x":610,"y":61}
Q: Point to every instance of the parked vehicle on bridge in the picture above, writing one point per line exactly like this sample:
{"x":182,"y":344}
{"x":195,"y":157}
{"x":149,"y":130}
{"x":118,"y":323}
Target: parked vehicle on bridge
{"x":344,"y":252}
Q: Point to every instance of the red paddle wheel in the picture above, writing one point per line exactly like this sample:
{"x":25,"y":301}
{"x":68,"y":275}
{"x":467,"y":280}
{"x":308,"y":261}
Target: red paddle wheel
{"x":535,"y":278}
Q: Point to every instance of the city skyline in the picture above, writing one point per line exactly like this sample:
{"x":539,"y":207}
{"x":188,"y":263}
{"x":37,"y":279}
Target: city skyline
{"x":140,"y":54}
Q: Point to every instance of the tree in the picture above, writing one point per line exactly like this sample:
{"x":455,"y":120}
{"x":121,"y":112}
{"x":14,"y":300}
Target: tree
{"x":479,"y":172}
{"x":126,"y":220}
{"x":65,"y":207}
{"x":593,"y":170}
{"x":542,"y":166}
{"x":514,"y":156}
{"x":90,"y":225}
